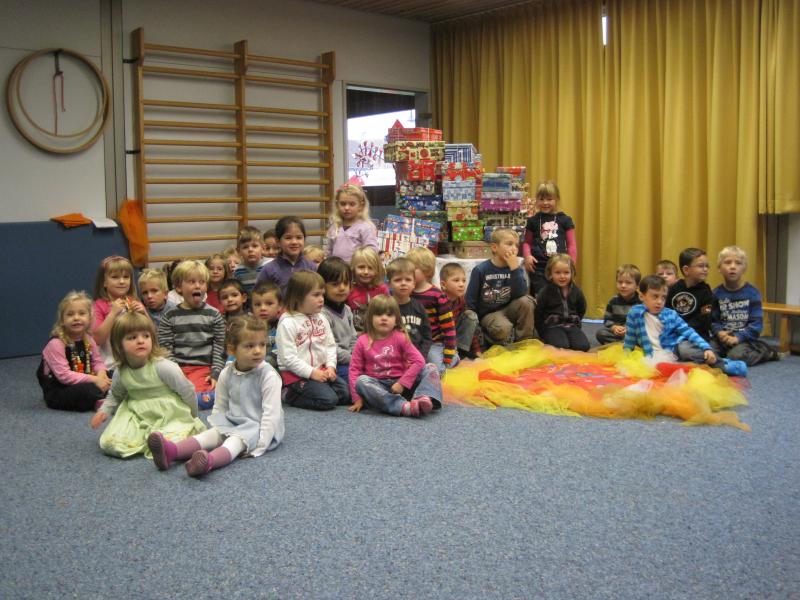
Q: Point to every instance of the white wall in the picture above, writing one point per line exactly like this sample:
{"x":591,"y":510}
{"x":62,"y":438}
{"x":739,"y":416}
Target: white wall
{"x":37,"y":185}
{"x":369,"y":49}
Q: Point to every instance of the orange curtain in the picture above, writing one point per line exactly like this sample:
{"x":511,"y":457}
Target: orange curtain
{"x":665,"y":138}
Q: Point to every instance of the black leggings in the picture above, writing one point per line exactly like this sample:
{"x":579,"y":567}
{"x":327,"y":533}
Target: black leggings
{"x":78,"y":397}
{"x":569,"y":338}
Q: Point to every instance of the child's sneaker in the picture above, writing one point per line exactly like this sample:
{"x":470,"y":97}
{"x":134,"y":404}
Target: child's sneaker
{"x":205,"y":400}
{"x":425,"y":405}
{"x":199,"y":464}
{"x":410,"y":409}
{"x":734,"y":368}
{"x":163,"y":450}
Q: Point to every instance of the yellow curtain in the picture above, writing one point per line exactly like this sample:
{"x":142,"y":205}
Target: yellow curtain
{"x":665,"y":138}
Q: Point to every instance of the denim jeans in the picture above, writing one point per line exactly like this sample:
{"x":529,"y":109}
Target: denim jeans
{"x":436,"y":356}
{"x":315,"y":395}
{"x":376,"y":392}
{"x":466,"y":325}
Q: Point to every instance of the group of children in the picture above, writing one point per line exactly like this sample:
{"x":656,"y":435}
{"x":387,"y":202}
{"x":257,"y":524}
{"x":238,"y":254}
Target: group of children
{"x":274,"y":322}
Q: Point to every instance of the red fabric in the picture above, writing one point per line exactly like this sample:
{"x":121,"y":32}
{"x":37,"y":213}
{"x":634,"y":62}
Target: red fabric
{"x":198,"y":375}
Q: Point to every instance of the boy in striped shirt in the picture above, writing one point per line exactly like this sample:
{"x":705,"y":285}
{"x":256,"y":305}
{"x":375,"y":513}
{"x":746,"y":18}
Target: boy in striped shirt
{"x":443,"y":352}
{"x":193,"y":333}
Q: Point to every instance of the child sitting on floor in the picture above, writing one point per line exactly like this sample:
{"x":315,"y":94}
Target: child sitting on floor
{"x":268,"y":307}
{"x":250,"y":246}
{"x":217,"y":273}
{"x":560,"y":306}
{"x":292,"y":239}
{"x":498,"y":292}
{"x":72,"y":373}
{"x":306,"y":347}
{"x":400,"y":273}
{"x":668,"y":270}
{"x":247,"y":419}
{"x":114,"y":294}
{"x":613,"y":329}
{"x":692,"y":298}
{"x":337,"y":277}
{"x":233,"y":299}
{"x":153,"y":289}
{"x":314,"y":253}
{"x":271,"y":246}
{"x":658,"y":330}
{"x":368,"y":276}
{"x":193,"y":333}
{"x":454,"y":283}
{"x":443,"y":352}
{"x":147,"y":392}
{"x":387,"y":372}
{"x":736,"y":316}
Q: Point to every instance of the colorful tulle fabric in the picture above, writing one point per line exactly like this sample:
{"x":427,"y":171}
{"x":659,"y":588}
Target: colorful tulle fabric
{"x":609,"y":384}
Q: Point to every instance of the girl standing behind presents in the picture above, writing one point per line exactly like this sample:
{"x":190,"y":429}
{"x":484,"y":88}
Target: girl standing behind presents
{"x":148,"y":393}
{"x":307,"y":348}
{"x":560,"y":306}
{"x":247,"y":417}
{"x":387,"y":371}
{"x":547,"y":233}
{"x":369,"y":275}
{"x":114,"y":294}
{"x":351,"y":228}
{"x":72,"y":373}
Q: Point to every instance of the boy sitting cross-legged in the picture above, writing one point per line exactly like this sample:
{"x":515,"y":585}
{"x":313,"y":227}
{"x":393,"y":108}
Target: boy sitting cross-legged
{"x":658,"y":330}
{"x":613,"y":329}
{"x":454,"y":283}
{"x":498,"y":292}
{"x":691,"y":298}
{"x":440,"y":313}
{"x":736,"y":317}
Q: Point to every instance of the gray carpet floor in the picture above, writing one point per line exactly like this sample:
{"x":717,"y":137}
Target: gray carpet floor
{"x":467,"y":503}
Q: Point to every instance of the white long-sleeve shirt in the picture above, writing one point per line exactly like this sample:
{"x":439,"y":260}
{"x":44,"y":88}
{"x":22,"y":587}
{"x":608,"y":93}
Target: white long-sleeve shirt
{"x":305,"y":343}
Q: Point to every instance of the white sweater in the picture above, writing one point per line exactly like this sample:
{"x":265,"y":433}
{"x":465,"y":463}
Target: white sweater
{"x":304,"y":343}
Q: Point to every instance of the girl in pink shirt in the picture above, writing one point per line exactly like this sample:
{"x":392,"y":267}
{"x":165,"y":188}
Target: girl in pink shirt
{"x":368,"y":282}
{"x":386,"y":371}
{"x":72,"y":373}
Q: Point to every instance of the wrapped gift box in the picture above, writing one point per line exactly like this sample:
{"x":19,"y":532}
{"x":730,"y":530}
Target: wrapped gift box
{"x":416,"y":188}
{"x":423,"y":203}
{"x":395,"y":245}
{"x":459,"y":190}
{"x":501,"y":204}
{"x":463,"y":153}
{"x":462,"y":210}
{"x":398,"y":132}
{"x":416,"y":170}
{"x":438,"y":216}
{"x":489,"y":229}
{"x":496,"y":182}
{"x":515,"y":172}
{"x":404,"y":150}
{"x":457,"y":171}
{"x":431,"y":230}
{"x":466,"y":231}
{"x":471,"y":249}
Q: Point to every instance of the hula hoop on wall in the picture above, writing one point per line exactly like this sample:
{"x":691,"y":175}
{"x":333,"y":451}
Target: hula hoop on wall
{"x":13,"y":93}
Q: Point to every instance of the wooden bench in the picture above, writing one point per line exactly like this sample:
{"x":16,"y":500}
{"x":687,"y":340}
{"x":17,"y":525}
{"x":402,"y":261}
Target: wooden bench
{"x":785,"y":312}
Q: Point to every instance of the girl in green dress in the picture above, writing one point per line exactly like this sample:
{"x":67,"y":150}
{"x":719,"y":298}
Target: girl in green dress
{"x":148,"y":392}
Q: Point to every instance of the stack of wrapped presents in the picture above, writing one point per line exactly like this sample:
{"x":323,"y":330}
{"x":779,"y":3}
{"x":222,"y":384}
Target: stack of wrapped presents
{"x":445,"y":196}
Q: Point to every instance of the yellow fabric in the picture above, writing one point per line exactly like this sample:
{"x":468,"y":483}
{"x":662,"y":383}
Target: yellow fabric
{"x":622,"y":385}
{"x":676,"y":134}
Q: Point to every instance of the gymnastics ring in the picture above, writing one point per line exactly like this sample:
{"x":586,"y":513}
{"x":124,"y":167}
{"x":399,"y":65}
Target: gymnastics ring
{"x":13,"y":89}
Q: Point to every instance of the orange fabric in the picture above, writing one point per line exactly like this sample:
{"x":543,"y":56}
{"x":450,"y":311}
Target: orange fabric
{"x":198,"y":375}
{"x":131,"y":217}
{"x":72,"y":220}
